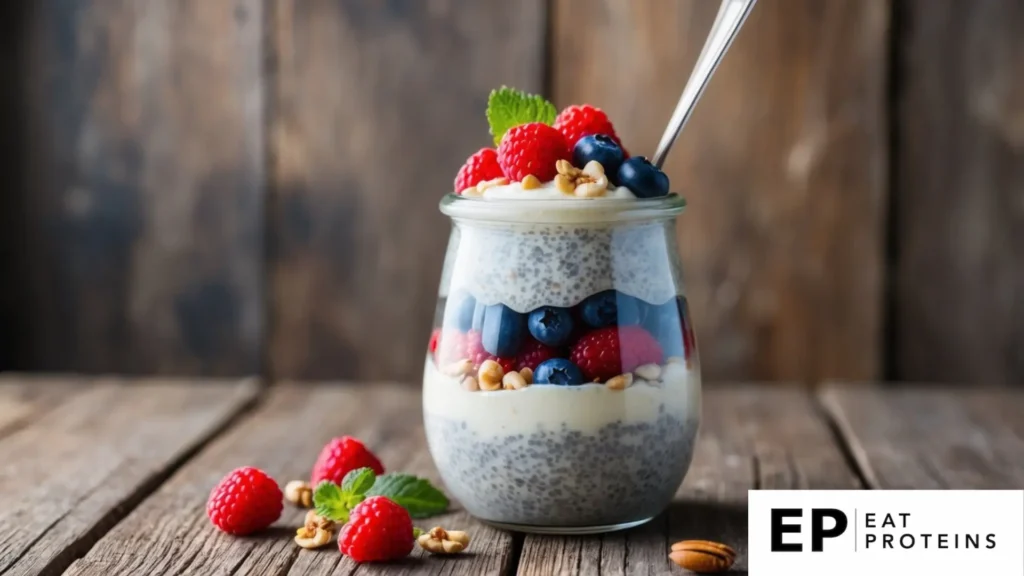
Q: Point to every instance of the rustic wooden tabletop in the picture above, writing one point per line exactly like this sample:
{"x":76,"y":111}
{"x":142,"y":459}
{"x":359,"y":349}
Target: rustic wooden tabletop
{"x":108,"y":476}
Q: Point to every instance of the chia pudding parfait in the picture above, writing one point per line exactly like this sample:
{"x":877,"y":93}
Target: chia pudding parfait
{"x":561,"y":388}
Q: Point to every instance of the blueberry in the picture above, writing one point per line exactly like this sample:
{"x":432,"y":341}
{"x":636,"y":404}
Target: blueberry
{"x":503,"y":330}
{"x":643,"y":178}
{"x":601,"y":148}
{"x":558,"y":371}
{"x":478,"y":316}
{"x":609,"y":308}
{"x":458,"y":314}
{"x":550,"y":325}
{"x":664,"y":321}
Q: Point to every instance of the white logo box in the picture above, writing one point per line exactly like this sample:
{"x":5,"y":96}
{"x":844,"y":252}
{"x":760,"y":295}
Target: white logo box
{"x":888,"y":532}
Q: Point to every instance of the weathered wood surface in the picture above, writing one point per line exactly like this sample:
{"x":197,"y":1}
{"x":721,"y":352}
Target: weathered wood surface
{"x":749,"y":439}
{"x":375,"y":106}
{"x":784,"y":164}
{"x":110,"y":477}
{"x":932,"y":438}
{"x":283,"y":437}
{"x":84,"y":459}
{"x":959,"y":214}
{"x":139,"y":233}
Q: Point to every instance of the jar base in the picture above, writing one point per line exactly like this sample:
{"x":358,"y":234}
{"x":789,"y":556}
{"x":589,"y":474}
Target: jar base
{"x":567,"y":530}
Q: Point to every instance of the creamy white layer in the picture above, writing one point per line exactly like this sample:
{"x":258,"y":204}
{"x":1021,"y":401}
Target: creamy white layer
{"x":584,"y":408}
{"x":547,"y":191}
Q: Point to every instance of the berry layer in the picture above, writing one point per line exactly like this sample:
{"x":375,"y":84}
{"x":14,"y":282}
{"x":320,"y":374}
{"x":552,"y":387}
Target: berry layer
{"x":526,"y":266}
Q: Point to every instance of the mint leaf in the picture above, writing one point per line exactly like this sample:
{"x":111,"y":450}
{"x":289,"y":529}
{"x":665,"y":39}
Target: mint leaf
{"x":330,"y":502}
{"x":358,"y":481}
{"x":416,"y":495}
{"x":508,"y":107}
{"x":416,"y":532}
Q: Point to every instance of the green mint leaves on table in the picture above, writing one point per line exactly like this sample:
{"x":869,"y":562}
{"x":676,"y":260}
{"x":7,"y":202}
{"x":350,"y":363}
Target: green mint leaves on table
{"x":508,"y":107}
{"x":417,"y":495}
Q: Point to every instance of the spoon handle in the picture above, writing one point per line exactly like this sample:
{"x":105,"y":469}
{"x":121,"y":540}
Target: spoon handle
{"x":730,"y":17}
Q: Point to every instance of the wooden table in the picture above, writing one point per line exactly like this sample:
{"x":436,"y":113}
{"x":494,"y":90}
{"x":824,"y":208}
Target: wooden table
{"x":107,"y":476}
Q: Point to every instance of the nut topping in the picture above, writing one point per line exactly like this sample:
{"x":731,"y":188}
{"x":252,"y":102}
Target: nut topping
{"x":620,"y":382}
{"x":489,"y":375}
{"x":590,"y":182}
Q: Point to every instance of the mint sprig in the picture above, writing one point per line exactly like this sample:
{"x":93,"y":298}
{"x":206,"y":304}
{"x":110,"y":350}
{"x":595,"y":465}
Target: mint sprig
{"x":417,"y":495}
{"x":508,"y":107}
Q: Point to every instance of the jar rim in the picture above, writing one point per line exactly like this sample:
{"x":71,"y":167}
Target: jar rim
{"x":569,"y":210}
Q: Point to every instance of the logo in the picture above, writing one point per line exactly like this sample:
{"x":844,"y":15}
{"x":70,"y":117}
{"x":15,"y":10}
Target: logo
{"x":856,"y":532}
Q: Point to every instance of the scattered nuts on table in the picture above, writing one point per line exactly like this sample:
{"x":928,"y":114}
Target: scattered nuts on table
{"x":312,"y":539}
{"x":299,"y":493}
{"x":702,"y":556}
{"x":441,"y":541}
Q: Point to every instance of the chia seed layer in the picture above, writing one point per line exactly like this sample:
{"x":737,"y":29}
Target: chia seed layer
{"x":618,"y":473}
{"x":528,"y":266}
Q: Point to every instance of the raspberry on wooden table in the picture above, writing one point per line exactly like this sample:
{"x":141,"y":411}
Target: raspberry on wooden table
{"x":341,"y":456}
{"x":245,"y":501}
{"x":532,"y":148}
{"x":378,"y":529}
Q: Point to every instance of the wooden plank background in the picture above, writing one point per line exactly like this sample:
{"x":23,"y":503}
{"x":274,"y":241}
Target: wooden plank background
{"x":250,"y":186}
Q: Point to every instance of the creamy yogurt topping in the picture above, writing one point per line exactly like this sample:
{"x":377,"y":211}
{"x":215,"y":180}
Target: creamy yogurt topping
{"x":584,"y":408}
{"x":548,"y":191}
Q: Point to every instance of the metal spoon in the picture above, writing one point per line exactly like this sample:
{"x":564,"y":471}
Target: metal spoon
{"x":730,"y":17}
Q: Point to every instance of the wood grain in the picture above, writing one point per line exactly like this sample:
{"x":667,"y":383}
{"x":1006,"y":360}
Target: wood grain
{"x":932,"y":438}
{"x":169,"y":533}
{"x":959,"y":270}
{"x":77,"y":469}
{"x":144,"y":191}
{"x":784,"y":164}
{"x":24,"y":398}
{"x":375,"y":107}
{"x":751,"y":437}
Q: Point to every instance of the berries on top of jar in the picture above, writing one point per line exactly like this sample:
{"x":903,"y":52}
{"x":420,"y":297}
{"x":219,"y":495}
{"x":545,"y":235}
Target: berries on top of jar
{"x":574,"y":153}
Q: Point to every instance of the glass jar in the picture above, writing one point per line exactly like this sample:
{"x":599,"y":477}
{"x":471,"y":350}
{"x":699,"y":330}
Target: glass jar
{"x":561,"y":388}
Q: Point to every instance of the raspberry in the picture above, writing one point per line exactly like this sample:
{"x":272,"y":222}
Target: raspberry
{"x":607,"y":352}
{"x":576,"y":121}
{"x":244,"y":501}
{"x":435,"y":339}
{"x":480,"y":167}
{"x":532,"y":149}
{"x":377,"y":530}
{"x":341,"y":456}
{"x":474,"y":349}
{"x":533,"y":353}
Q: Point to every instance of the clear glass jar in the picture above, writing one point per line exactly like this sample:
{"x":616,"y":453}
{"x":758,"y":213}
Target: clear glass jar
{"x":589,"y":424}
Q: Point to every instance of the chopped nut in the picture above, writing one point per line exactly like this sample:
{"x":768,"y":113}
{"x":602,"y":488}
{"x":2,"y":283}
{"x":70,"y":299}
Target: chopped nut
{"x":441,"y":541}
{"x":469,"y":383}
{"x":299,"y":493}
{"x":481,"y":186}
{"x":530,"y":182}
{"x":527,"y":374}
{"x":620,"y":382}
{"x":566,"y":168}
{"x":313,"y":520}
{"x":489,"y":375}
{"x":312,"y":538}
{"x":648,"y":371}
{"x":472,"y":191}
{"x":458,"y":368}
{"x":564,"y":184}
{"x":594,"y":169}
{"x":513,"y":381}
{"x":592,"y":189}
{"x":702,"y":556}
